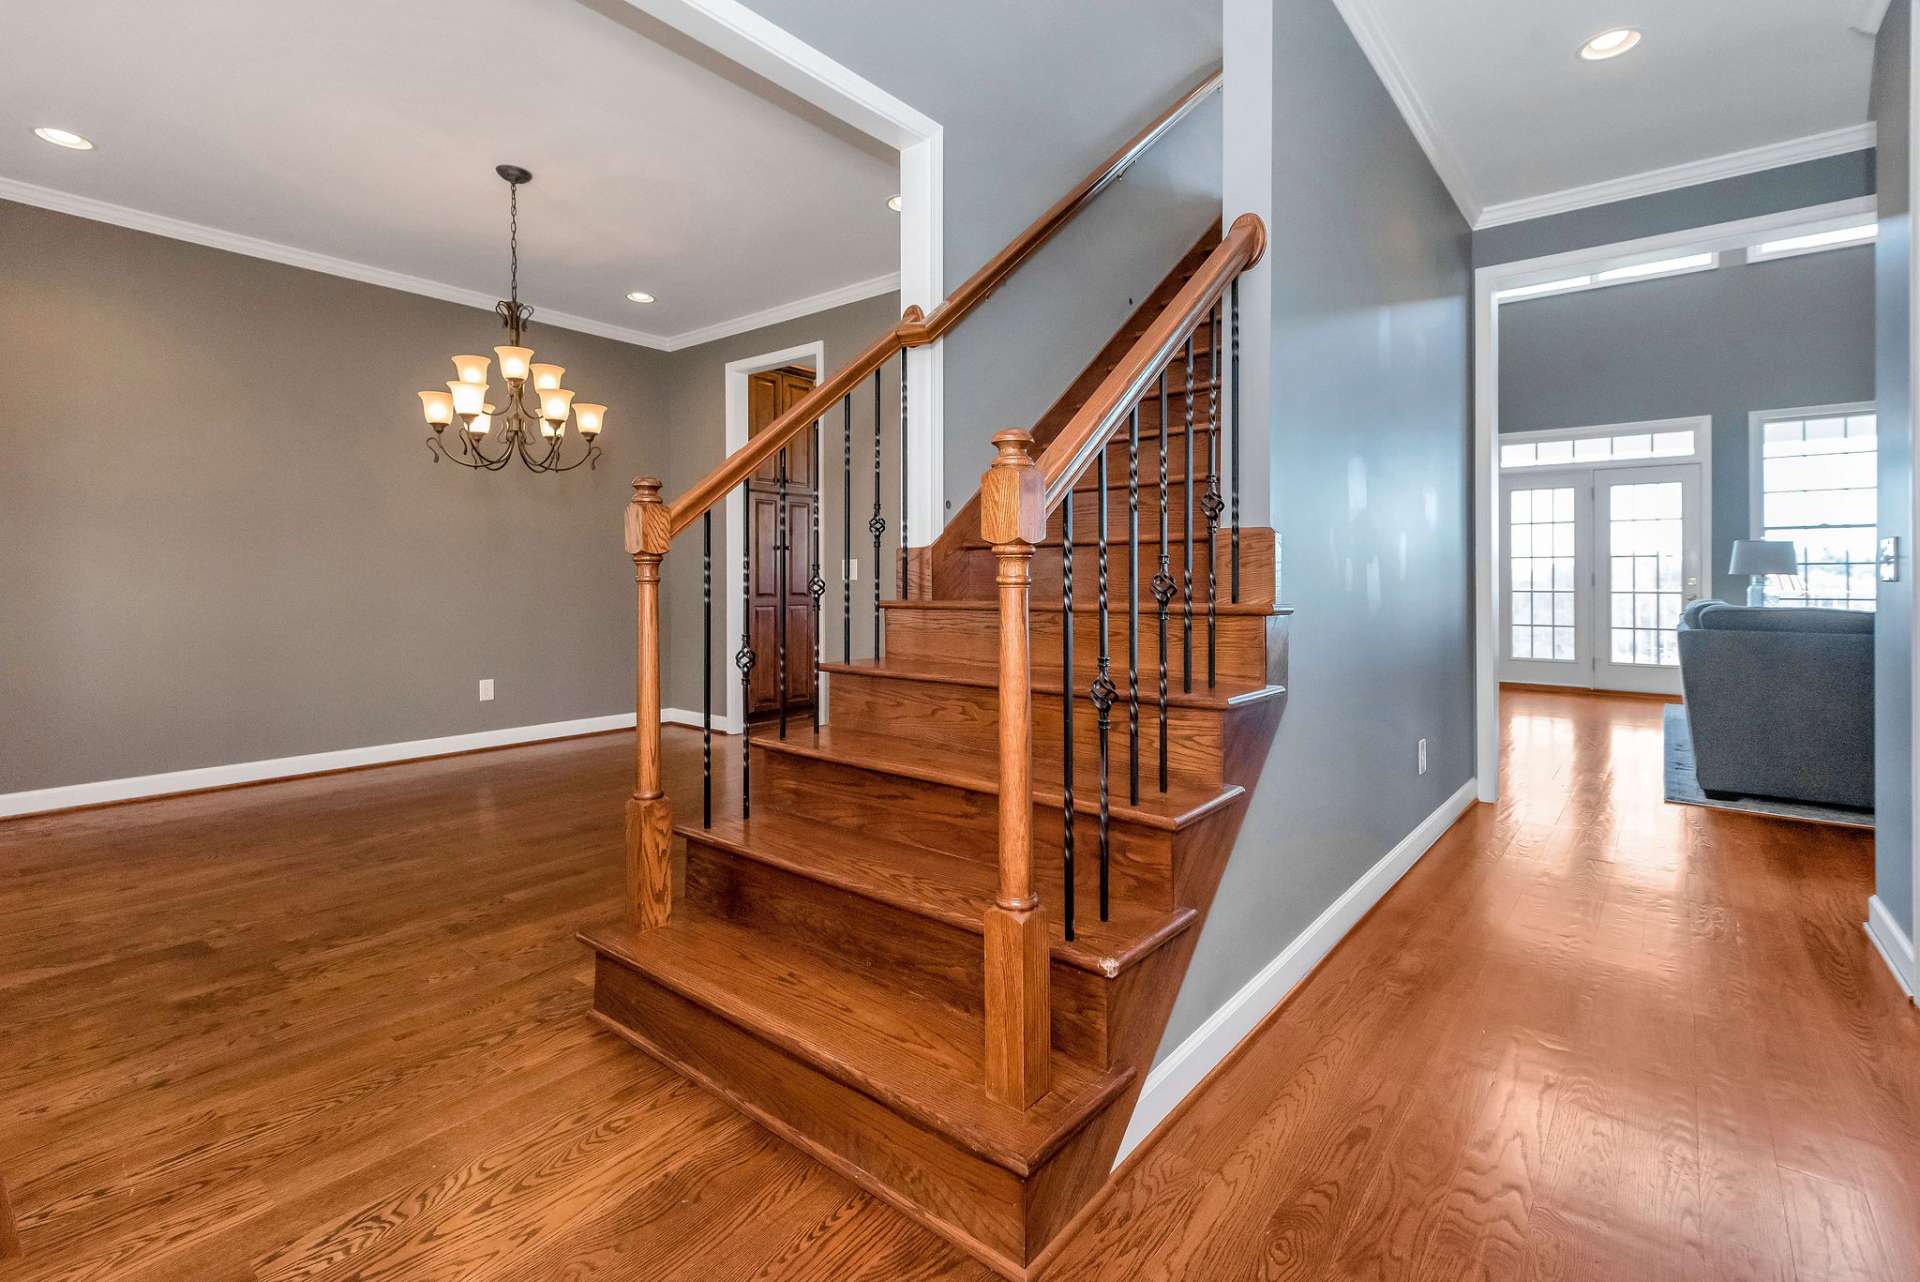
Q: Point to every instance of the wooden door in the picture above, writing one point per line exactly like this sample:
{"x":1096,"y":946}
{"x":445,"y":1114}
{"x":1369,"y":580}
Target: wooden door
{"x":770,"y":394}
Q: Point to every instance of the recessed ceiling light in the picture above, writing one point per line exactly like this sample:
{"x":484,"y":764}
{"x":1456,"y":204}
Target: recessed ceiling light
{"x":893,"y":203}
{"x":639,"y":296}
{"x":1610,"y":44}
{"x":62,"y":138}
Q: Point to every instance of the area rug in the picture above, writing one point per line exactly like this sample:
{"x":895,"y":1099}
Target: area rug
{"x":1683,"y":788}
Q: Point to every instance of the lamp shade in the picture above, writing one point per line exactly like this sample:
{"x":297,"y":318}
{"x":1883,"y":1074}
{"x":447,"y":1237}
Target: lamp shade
{"x":1764,"y":556}
{"x":589,"y":417}
{"x":473,"y":369}
{"x":546,"y":376}
{"x":514,"y":362}
{"x":438,"y":407}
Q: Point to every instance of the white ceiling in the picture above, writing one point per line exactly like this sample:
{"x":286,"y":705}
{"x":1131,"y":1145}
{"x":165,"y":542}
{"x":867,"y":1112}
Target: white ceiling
{"x":1516,"y":114}
{"x":368,"y":131}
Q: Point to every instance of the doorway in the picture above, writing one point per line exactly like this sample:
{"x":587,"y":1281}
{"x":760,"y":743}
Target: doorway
{"x":783,"y":497}
{"x":1605,"y":543}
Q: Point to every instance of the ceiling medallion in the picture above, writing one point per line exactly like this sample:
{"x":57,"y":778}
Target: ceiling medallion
{"x":546,"y":405}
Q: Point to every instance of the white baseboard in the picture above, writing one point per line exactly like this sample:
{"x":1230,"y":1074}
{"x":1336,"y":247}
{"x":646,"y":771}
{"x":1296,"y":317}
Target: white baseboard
{"x":160,"y":785}
{"x":1176,"y":1076}
{"x":689,"y":717}
{"x":1892,"y":943}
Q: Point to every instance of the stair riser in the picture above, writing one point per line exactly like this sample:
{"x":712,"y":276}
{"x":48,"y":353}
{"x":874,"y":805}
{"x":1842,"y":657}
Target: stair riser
{"x":1256,"y":569}
{"x":1086,"y":509}
{"x":938,"y":713}
{"x":1241,"y":651}
{"x":904,"y":949}
{"x":955,"y":821}
{"x":975,"y":1203}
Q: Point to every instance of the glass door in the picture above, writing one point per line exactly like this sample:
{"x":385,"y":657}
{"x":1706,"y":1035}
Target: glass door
{"x":1649,"y":534}
{"x":1542,"y":571}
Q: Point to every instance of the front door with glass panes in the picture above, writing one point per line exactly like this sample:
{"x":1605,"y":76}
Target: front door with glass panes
{"x":1603,"y":548}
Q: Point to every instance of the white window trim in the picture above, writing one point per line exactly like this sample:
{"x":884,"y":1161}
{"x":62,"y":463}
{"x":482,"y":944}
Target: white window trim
{"x":1552,"y":287}
{"x":1701,"y":425}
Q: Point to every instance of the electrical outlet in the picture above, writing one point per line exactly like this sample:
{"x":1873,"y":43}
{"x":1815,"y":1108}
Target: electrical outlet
{"x":486,"y":693}
{"x":1423,"y":756}
{"x":850,"y":571}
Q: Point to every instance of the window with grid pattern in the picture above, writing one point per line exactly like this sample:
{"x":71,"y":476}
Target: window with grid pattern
{"x":1540,"y":539}
{"x":1817,"y":483}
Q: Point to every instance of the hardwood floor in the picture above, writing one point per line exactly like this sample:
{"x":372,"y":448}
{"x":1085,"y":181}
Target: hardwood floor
{"x":336,"y":1029}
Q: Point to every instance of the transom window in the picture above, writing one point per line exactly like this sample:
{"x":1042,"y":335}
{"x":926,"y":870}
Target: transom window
{"x":1599,"y":448}
{"x":1817,"y":489}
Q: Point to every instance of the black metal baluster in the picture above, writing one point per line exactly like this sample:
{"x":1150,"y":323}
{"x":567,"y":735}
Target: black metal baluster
{"x":782,"y":567}
{"x":1186,"y":502}
{"x":1233,"y":441}
{"x":846,"y":527}
{"x":904,"y":553}
{"x":876,"y":524}
{"x":1066,"y":709}
{"x":1133,"y":605}
{"x":1163,"y":586}
{"x":743,"y":658}
{"x":706,"y":670}
{"x":816,"y":585}
{"x":1103,"y":691}
{"x":1210,"y":502}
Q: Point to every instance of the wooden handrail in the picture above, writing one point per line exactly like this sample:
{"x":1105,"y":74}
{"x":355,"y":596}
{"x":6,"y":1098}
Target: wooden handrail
{"x":1105,"y":412}
{"x":917,"y":329}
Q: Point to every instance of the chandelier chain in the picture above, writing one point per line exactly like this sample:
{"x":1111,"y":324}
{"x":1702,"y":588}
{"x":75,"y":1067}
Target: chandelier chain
{"x":513,"y":241}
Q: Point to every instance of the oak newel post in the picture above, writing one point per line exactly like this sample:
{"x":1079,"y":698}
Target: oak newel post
{"x":649,"y":813}
{"x":1013,"y":518}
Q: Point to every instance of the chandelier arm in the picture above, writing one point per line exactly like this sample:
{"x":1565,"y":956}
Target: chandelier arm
{"x":440,"y":451}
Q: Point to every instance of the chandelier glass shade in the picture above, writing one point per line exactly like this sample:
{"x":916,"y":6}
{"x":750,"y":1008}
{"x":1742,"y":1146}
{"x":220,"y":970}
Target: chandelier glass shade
{"x":531,"y":423}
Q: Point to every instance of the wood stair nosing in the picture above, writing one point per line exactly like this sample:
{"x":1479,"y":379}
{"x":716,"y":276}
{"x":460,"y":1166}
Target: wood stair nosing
{"x":1179,"y":808}
{"x":976,"y":605}
{"x":831,"y":1020}
{"x":1046,"y":681}
{"x":943,"y":888}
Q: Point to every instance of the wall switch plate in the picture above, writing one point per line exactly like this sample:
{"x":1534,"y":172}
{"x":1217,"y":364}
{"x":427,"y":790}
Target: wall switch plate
{"x":1422,"y":752}
{"x":486,"y":690}
{"x":1890,"y":559}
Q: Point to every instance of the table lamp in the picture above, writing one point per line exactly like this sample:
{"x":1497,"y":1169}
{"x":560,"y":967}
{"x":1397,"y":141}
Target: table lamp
{"x":1759,"y":558}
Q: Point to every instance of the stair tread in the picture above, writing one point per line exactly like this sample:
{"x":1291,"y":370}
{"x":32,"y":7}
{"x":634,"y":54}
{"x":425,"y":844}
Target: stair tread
{"x":1047,"y":681}
{"x":977,"y":771}
{"x":1115,"y":539}
{"x":947,"y":888}
{"x":987,"y":605}
{"x":918,"y":1057}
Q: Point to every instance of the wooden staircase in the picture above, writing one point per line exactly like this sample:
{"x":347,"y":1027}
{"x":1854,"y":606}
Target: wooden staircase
{"x":837,"y":964}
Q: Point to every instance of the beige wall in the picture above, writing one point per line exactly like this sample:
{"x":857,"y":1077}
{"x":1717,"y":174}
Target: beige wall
{"x":222,"y":538}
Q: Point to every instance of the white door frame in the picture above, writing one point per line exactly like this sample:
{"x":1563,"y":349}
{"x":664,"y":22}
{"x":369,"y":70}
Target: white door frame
{"x":733,"y":540}
{"x":742,"y":36}
{"x":1486,"y":424}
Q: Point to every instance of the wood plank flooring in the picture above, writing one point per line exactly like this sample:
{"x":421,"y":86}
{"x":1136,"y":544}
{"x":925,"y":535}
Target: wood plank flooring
{"x":335,"y":1029}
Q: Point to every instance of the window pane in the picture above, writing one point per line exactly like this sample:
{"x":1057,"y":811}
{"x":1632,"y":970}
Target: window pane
{"x":1516,"y":455}
{"x":1665,"y":443}
{"x":1592,"y":447}
{"x":1555,"y":452}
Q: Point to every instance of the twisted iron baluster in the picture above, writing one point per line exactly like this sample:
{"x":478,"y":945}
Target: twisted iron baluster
{"x":1186,"y":502}
{"x":1133,"y":605}
{"x":1103,"y":692}
{"x":744,"y":658}
{"x":706,"y":669}
{"x":904,"y":553}
{"x":846,"y":526}
{"x":1233,"y":441}
{"x":1066,"y":719}
{"x":782,"y":563}
{"x":1210,"y":502}
{"x":876,"y":524}
{"x":816,"y":586}
{"x":1163,"y":586}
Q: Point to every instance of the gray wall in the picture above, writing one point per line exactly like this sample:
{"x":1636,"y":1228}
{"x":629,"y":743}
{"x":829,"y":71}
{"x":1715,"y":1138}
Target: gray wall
{"x":225,"y":540}
{"x":1771,"y":335}
{"x":1030,"y":97}
{"x":1771,"y":191}
{"x":1893,"y":633}
{"x":1370,"y":446}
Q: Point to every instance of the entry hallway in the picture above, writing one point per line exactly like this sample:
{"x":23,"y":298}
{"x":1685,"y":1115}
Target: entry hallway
{"x":336,"y":1028}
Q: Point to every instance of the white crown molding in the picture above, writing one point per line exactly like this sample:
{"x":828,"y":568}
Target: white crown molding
{"x":859,"y":290}
{"x":1872,"y":14}
{"x":1364,"y":20}
{"x":273,"y":251}
{"x":1733,"y":164}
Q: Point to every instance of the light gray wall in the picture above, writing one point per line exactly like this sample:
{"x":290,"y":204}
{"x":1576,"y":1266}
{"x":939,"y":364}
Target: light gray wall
{"x":1370,"y":447}
{"x":1893,"y":632}
{"x":692,"y":394}
{"x":1030,"y":97}
{"x":1760,"y":336}
{"x":225,"y":539}
{"x":1771,"y":191}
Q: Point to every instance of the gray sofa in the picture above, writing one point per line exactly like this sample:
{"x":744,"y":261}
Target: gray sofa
{"x":1780,"y":702}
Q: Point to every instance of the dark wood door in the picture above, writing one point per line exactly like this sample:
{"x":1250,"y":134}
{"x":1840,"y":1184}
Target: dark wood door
{"x":769,"y":395}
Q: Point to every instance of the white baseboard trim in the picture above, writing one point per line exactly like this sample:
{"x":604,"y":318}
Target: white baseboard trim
{"x":1176,"y":1076}
{"x":1892,"y":944}
{"x":690,"y":717}
{"x":174,"y":781}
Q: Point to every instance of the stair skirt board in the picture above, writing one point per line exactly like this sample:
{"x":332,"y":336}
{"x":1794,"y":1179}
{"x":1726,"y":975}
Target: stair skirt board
{"x":1184,"y":1071}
